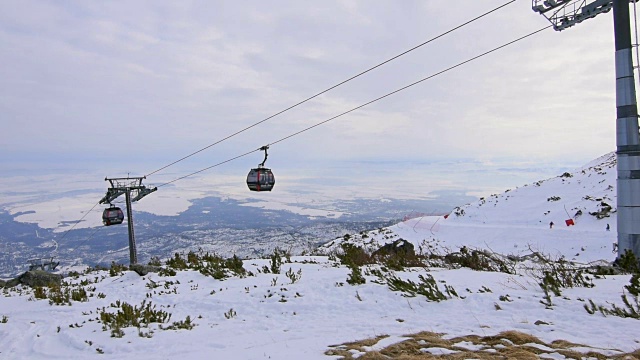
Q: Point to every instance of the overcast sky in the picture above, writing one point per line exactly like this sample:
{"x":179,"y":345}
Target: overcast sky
{"x":135,"y":85}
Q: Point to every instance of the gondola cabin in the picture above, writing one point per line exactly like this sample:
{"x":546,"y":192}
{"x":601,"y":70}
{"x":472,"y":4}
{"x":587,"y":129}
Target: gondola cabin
{"x":260,"y":179}
{"x":112,"y":216}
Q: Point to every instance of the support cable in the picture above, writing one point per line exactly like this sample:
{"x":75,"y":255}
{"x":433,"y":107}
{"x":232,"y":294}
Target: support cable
{"x":78,"y":222}
{"x":333,"y":87}
{"x":210,"y":167}
{"x":412,"y":84}
{"x":369,"y":103}
{"x":90,"y":237}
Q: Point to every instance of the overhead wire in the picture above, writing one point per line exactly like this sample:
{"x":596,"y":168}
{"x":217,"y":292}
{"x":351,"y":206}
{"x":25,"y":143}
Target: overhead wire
{"x":333,"y":87}
{"x":90,"y":236}
{"x":207,"y":168}
{"x":411,"y":85}
{"x":370,"y":102}
{"x":323,"y":92}
{"x":77,"y":222}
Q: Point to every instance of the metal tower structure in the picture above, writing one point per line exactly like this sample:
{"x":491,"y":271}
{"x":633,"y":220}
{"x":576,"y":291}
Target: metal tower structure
{"x":566,"y":13}
{"x":133,"y":191}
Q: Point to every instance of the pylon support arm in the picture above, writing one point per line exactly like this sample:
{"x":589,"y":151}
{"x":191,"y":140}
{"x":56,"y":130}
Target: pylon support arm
{"x":111,"y":195}
{"x":144,"y":191}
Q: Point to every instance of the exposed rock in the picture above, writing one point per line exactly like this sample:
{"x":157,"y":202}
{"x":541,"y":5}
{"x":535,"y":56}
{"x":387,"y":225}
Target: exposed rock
{"x":540,"y":322}
{"x":35,"y":278}
{"x":2,"y":283}
{"x":11,"y":283}
{"x":143,"y":270}
{"x":399,"y":247}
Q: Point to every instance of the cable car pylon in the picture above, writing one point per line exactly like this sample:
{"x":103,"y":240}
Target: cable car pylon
{"x":133,"y":191}
{"x":566,"y":13}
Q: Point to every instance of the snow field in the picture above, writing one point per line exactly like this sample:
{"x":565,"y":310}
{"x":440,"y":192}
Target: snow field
{"x":301,"y":320}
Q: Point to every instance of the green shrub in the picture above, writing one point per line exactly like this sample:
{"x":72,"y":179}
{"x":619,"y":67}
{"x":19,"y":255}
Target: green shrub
{"x":215,"y":269}
{"x":59,"y":296}
{"x":230,"y":314}
{"x":427,"y":287}
{"x":79,"y":294}
{"x":127,"y":315}
{"x":355,"y":277}
{"x":39,"y":293}
{"x":155,"y":261}
{"x":177,"y":262}
{"x":352,"y":255}
{"x":167,"y":272}
{"x":236,"y":266}
{"x":632,"y":306}
{"x":276,"y":262}
{"x":294,"y":276}
{"x":116,"y":269}
{"x":628,"y":262}
{"x":185,"y":324}
{"x":480,"y":261}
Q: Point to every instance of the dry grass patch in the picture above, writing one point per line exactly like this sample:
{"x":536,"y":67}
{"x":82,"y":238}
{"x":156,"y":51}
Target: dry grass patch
{"x":515,"y":337}
{"x":344,"y":349}
{"x":505,"y":345}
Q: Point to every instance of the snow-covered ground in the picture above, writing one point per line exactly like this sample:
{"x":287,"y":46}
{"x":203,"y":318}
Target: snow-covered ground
{"x":271,"y":316}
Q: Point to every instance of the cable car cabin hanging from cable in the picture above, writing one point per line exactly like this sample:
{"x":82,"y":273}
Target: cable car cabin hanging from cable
{"x":112,"y":216}
{"x":261,"y":178}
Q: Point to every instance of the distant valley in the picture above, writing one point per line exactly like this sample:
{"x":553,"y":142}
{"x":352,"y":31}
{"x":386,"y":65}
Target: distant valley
{"x":211,"y":224}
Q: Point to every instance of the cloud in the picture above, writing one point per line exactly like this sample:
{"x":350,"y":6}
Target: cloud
{"x":160,"y":80}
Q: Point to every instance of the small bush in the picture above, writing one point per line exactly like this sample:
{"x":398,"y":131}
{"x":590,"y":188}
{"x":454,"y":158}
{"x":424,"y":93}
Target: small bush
{"x":116,"y":269}
{"x":58,"y":296}
{"x":294,"y":276}
{"x":177,"y":262}
{"x":230,"y":314}
{"x":155,"y":261}
{"x":427,"y":287}
{"x":167,"y":272}
{"x":79,"y":295}
{"x":276,"y":262}
{"x":236,"y":266}
{"x":628,"y":262}
{"x":632,"y":306}
{"x":352,"y":255}
{"x":355,"y":277}
{"x":480,"y":261}
{"x":185,"y":324}
{"x":39,"y":293}
{"x":131,"y":316}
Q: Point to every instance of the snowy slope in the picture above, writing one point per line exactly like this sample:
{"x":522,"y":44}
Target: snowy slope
{"x":517,"y":221}
{"x":271,"y":316}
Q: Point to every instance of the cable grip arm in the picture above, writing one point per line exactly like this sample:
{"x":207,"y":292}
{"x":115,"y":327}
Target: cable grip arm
{"x":265,"y":154}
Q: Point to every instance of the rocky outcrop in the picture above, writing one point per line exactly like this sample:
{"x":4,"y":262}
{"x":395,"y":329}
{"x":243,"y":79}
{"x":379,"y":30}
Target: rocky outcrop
{"x":35,"y":278}
{"x":399,"y":247}
{"x":143,"y":270}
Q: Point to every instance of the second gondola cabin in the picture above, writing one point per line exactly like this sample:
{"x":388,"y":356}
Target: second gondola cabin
{"x":112,"y":216}
{"x":261,"y":179}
